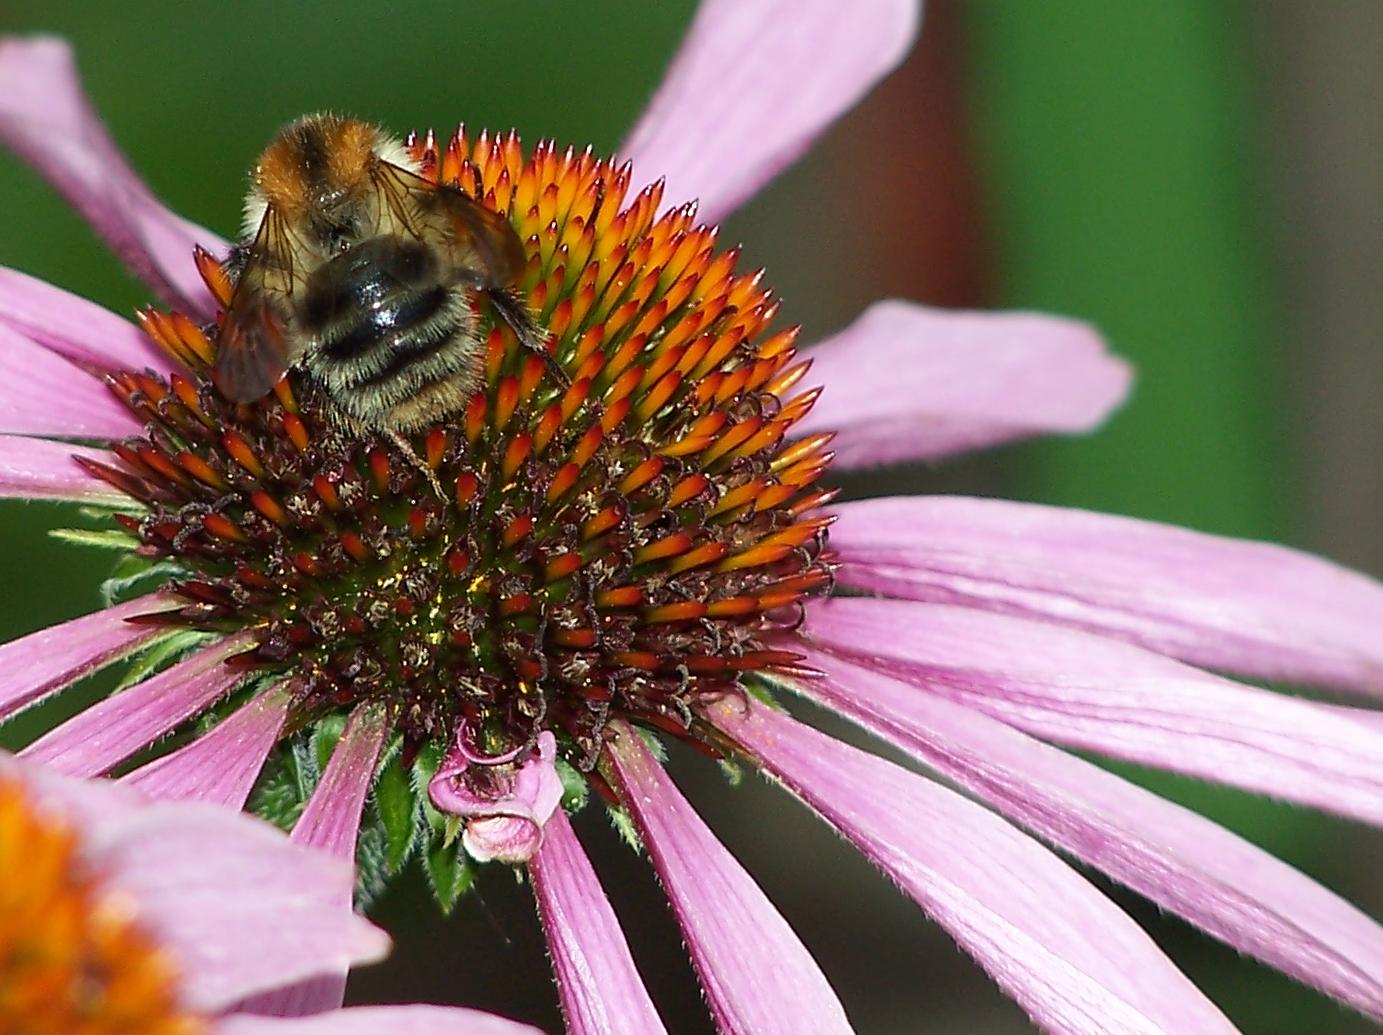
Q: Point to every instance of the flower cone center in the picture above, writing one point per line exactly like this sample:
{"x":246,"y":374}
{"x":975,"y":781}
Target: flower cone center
{"x":72,"y":958}
{"x":613,"y":542}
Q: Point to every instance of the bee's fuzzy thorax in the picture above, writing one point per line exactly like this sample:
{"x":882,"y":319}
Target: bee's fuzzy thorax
{"x":342,"y":148}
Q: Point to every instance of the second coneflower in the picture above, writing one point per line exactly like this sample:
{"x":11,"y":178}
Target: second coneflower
{"x":637,"y":550}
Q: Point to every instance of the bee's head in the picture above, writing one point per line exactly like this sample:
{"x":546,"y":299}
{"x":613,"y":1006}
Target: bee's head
{"x":314,"y":174}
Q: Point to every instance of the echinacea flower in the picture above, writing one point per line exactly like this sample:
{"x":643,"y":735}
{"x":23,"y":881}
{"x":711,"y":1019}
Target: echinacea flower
{"x":642,"y":554}
{"x":124,"y":916}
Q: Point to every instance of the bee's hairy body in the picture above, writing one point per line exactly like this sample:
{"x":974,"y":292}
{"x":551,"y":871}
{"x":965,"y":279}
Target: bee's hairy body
{"x":387,"y":337}
{"x":366,"y":278}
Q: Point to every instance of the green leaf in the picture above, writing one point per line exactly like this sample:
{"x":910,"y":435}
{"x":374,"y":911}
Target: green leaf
{"x":104,"y":538}
{"x":396,"y":800}
{"x":449,"y":873}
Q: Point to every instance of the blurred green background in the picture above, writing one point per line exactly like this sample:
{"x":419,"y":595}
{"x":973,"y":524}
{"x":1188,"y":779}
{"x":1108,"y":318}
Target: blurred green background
{"x":1197,"y":178}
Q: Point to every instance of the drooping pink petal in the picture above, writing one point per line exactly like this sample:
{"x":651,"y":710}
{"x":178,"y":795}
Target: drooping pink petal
{"x":505,"y":804}
{"x":1368,"y":716}
{"x":909,"y":382}
{"x":233,"y":903}
{"x":372,"y":1020}
{"x":273,"y":930}
{"x":34,"y":469}
{"x":1086,"y":691}
{"x":1178,"y":859}
{"x":1253,"y":608}
{"x":46,"y":119}
{"x":1080,"y":966}
{"x":34,"y":666}
{"x":602,"y":993}
{"x":758,"y":977}
{"x":754,"y":84}
{"x":43,"y":394}
{"x":330,"y":823}
{"x":73,"y":327}
{"x":331,"y":818}
{"x":220,"y":766}
{"x":101,"y":737}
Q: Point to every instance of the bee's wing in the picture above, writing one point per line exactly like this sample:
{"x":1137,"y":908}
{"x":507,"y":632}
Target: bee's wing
{"x":253,"y":349}
{"x":486,"y":239}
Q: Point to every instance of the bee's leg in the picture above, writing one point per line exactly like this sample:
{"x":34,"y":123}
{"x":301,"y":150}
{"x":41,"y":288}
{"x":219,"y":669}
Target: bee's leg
{"x":526,"y":329}
{"x":406,"y":448}
{"x":345,"y":424}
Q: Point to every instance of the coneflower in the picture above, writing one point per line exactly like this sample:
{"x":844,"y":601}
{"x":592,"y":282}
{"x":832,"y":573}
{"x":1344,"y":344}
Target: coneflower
{"x":641,"y":554}
{"x":120,"y":916}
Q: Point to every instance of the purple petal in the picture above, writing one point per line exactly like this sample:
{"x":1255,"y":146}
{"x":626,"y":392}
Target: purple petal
{"x":220,"y":766}
{"x":908,"y":382}
{"x":76,"y":329}
{"x":110,"y":731}
{"x":505,"y":805}
{"x":330,"y":823}
{"x":43,"y":394}
{"x":1254,"y":608}
{"x":32,"y":469}
{"x":1179,"y":860}
{"x":1083,"y":967}
{"x":34,"y":666}
{"x":233,"y":903}
{"x":46,"y":119}
{"x":602,"y":993}
{"x":1091,"y":692}
{"x":754,"y":84}
{"x":372,"y":1020}
{"x":331,"y":818}
{"x":758,"y":977}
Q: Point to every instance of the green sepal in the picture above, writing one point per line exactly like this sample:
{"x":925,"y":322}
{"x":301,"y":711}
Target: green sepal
{"x":449,"y":873}
{"x":103,"y":538}
{"x":655,"y":746}
{"x":575,"y":788}
{"x":372,"y":868}
{"x":106,"y":511}
{"x":131,"y":572}
{"x":396,"y":801}
{"x":425,"y":767}
{"x":163,"y":651}
{"x":326,"y":732}
{"x":283,"y":786}
{"x":763,"y":686}
{"x":624,"y":826}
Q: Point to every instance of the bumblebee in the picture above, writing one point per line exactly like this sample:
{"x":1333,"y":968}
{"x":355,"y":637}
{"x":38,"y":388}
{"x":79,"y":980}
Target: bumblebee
{"x":366,"y":277}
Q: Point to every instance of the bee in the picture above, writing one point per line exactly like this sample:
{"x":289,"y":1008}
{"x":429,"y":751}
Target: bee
{"x":367,"y":278}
